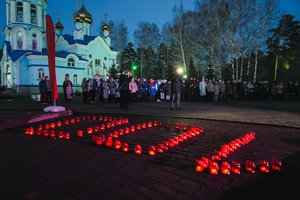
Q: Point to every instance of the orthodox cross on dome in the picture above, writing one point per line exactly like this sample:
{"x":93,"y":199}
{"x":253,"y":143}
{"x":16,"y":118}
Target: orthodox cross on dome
{"x":78,"y":5}
{"x":105,"y":16}
{"x":58,"y":15}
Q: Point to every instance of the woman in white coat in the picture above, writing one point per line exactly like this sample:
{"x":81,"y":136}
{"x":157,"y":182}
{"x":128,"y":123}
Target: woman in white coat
{"x":202,"y":88}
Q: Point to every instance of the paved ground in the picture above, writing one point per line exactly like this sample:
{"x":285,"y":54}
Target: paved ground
{"x":38,"y":167}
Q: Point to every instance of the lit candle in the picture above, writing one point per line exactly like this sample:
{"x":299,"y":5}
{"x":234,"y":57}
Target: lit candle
{"x":126,"y":130}
{"x":105,"y":119}
{"x":118,"y":144}
{"x":61,"y":135}
{"x":121,"y":131}
{"x":235,"y":167}
{"x":52,"y":134}
{"x":59,"y":123}
{"x":52,"y":125}
{"x":199,"y":165}
{"x":144,"y":125}
{"x":225,"y":168}
{"x":125,"y":147}
{"x":184,"y":127}
{"x":89,"y":130}
{"x":155,"y":123}
{"x":160,"y":148}
{"x":66,"y":122}
{"x":132,"y":128}
{"x":47,"y":126}
{"x":217,"y":155}
{"x":213,"y":167}
{"x":264,"y":166}
{"x":67,"y":136}
{"x":177,"y":125}
{"x":165,"y":145}
{"x":138,"y":149}
{"x":46,"y":133}
{"x":152,"y":150}
{"x":116,"y":134}
{"x":149,"y":124}
{"x":250,"y":166}
{"x":168,"y":125}
{"x":109,"y":142}
{"x":138,"y":126}
{"x":72,"y":121}
{"x":276,"y":165}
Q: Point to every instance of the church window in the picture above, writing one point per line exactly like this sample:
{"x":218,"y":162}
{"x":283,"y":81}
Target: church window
{"x":33,"y":14}
{"x":20,"y":43}
{"x":9,"y":12}
{"x":75,"y":79}
{"x":8,"y":69}
{"x":34,"y":45}
{"x":98,"y":62}
{"x":20,"y":12}
{"x":71,"y":62}
{"x":41,"y":73}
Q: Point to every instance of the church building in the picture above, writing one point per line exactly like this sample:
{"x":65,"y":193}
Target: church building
{"x":25,"y":59}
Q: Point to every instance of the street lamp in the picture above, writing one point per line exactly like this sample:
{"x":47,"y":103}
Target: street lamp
{"x":179,"y":70}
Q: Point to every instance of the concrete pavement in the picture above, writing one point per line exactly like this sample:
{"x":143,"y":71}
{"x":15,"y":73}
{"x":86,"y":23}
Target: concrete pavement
{"x":38,"y":167}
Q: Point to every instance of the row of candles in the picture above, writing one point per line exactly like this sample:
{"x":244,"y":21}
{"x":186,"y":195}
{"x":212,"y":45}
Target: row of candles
{"x":153,"y":149}
{"x":235,"y":167}
{"x":110,"y":122}
{"x":211,"y":160}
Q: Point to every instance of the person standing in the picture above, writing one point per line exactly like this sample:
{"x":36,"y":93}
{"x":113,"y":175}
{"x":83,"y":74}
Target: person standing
{"x":222,"y":90}
{"x":216,"y":91}
{"x":112,"y":90}
{"x":152,"y":90}
{"x":85,"y":90}
{"x":202,"y":89}
{"x":43,"y":90}
{"x":49,"y":92}
{"x":65,"y":84}
{"x":105,"y":90}
{"x":133,"y":90}
{"x":124,"y":89}
{"x":210,"y":90}
{"x":176,"y":85}
{"x":97,"y":89}
{"x":69,"y":92}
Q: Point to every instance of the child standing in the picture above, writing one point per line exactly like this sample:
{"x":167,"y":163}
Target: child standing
{"x":69,"y":92}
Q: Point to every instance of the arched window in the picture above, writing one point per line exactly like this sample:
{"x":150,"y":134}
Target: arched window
{"x":33,"y":14}
{"x":9,"y":12}
{"x":75,"y":77}
{"x":34,"y":45}
{"x":41,"y":73}
{"x":8,"y":69}
{"x":71,"y":62}
{"x":20,"y":12}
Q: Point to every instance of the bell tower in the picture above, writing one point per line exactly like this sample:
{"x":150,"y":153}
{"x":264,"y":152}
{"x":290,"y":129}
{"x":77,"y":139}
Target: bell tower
{"x":25,"y":24}
{"x":83,"y":21}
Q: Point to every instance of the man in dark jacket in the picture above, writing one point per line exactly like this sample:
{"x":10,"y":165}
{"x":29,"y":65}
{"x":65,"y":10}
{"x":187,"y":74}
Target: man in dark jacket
{"x":43,"y":90}
{"x":124,"y":89}
{"x":176,"y":85}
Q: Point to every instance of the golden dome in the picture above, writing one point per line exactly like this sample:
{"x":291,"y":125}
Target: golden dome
{"x":59,"y":25}
{"x":82,"y":15}
{"x":105,"y":27}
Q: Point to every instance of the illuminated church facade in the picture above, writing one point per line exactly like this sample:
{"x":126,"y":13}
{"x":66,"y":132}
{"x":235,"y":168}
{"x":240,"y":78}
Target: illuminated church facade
{"x":25,"y":58}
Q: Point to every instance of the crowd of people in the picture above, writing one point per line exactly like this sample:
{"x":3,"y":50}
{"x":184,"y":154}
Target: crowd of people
{"x":127,"y":89}
{"x":156,"y":90}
